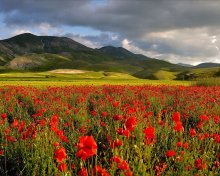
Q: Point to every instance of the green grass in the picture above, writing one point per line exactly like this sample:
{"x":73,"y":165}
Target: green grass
{"x":4,"y":69}
{"x":212,"y":81}
{"x":95,"y":82}
{"x":200,"y":73}
{"x":37,"y":62}
{"x":40,"y":79}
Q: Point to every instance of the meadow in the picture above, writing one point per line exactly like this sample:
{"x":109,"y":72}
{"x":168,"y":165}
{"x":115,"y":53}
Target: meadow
{"x":62,"y":126}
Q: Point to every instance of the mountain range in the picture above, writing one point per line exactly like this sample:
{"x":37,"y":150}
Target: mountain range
{"x":28,"y":52}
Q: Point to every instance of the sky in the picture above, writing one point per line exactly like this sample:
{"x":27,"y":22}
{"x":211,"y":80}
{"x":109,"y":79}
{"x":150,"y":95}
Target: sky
{"x":186,"y":31}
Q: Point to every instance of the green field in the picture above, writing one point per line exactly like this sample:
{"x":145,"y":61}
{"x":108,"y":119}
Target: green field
{"x":92,"y":78}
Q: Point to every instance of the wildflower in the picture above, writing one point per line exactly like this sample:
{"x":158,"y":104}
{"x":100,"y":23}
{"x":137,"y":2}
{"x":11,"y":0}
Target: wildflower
{"x":3,"y":116}
{"x":116,"y":159}
{"x":179,"y":144}
{"x":185,"y":145}
{"x":62,"y":167}
{"x":149,"y":135}
{"x":198,"y":163}
{"x":88,"y":147}
{"x":192,"y":132}
{"x":130,"y":124}
{"x":115,"y":143}
{"x":216,"y":164}
{"x":116,"y":117}
{"x":15,"y":123}
{"x":178,"y":126}
{"x":97,"y":171}
{"x":179,"y":158}
{"x":170,"y":153}
{"x":60,"y":154}
{"x":176,"y":117}
{"x":83,"y":172}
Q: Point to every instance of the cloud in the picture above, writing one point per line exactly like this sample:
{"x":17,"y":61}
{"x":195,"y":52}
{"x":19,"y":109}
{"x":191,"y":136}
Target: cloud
{"x":96,"y":41}
{"x":46,"y":28}
{"x":179,"y":30}
{"x":17,"y":32}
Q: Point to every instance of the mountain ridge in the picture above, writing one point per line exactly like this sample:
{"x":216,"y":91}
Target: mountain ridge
{"x":121,"y":52}
{"x":207,"y":65}
{"x":45,"y":53}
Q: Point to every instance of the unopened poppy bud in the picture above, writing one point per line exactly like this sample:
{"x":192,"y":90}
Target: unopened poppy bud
{"x":103,"y":146}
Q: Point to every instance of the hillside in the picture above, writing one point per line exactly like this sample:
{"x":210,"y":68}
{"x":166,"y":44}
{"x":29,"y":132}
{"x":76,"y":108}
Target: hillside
{"x":36,"y":62}
{"x":200,"y":73}
{"x":29,"y":52}
{"x":29,"y":43}
{"x":206,"y":65}
{"x":121,"y":53}
{"x":185,"y":65}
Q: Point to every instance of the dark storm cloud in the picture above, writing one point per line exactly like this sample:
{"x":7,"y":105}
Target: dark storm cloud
{"x":133,"y":17}
{"x":193,"y":22}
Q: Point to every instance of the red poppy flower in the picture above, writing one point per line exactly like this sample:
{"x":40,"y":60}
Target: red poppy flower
{"x":3,"y":116}
{"x":126,"y":133}
{"x":179,"y":144}
{"x":60,"y":154}
{"x":176,"y":117}
{"x":185,"y":145}
{"x":149,"y":135}
{"x":119,"y":131}
{"x":115,"y":143}
{"x":179,"y":158}
{"x":170,"y":153}
{"x":192,"y":132}
{"x":83,"y":172}
{"x":116,"y":117}
{"x":198,"y":163}
{"x":217,"y":139}
{"x":62,"y":167}
{"x":97,"y":171}
{"x":124,"y":166}
{"x":116,"y":159}
{"x":178,"y":126}
{"x":206,"y":135}
{"x":88,"y":147}
{"x":216,"y":164}
{"x":130,"y":124}
{"x":15,"y":123}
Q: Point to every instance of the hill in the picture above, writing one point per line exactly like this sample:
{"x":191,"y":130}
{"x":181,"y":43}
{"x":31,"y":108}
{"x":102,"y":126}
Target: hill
{"x":29,"y":43}
{"x":206,"y":65}
{"x":29,"y":52}
{"x":185,"y":65}
{"x":121,"y":53}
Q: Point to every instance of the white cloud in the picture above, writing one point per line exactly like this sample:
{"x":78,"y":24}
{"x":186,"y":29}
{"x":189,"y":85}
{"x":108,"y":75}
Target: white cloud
{"x":46,"y":28}
{"x":81,"y":39}
{"x":131,"y":47}
{"x":19,"y":31}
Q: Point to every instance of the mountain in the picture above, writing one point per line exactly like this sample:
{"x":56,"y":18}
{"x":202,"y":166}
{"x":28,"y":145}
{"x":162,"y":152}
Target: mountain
{"x":24,"y":44}
{"x":206,"y":65}
{"x":45,"y":53}
{"x":29,"y":43}
{"x":185,"y":65}
{"x":121,"y":53}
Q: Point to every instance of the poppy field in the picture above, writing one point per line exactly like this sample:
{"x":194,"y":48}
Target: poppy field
{"x":110,"y":130}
